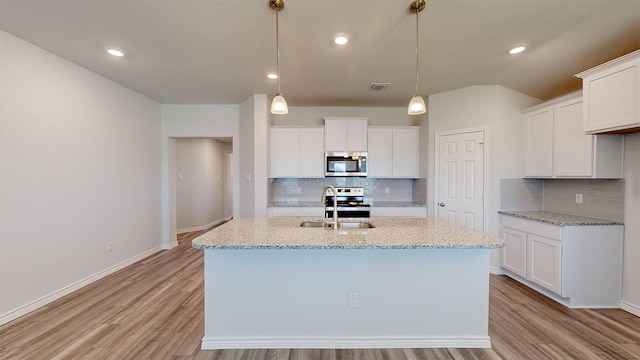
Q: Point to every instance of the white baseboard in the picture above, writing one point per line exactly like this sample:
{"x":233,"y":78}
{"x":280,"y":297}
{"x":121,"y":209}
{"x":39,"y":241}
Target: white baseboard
{"x":496,"y":270}
{"x":360,"y":342}
{"x":23,"y":310}
{"x":629,"y":307}
{"x":169,"y":246}
{"x":200,"y":228}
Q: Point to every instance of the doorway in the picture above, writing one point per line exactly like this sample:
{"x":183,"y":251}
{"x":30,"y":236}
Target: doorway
{"x":202,"y":183}
{"x":461,"y":177}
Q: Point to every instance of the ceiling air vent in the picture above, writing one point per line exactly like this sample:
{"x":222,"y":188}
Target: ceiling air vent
{"x":378,"y":86}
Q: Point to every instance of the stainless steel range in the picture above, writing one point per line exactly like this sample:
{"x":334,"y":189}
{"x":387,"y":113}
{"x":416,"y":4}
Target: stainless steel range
{"x":350,"y":203}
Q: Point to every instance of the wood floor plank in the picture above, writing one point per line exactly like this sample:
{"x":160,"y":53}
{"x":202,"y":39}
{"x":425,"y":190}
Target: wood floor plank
{"x":154,"y":309}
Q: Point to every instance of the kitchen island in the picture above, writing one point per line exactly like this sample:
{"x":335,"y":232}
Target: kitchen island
{"x":270,"y":283}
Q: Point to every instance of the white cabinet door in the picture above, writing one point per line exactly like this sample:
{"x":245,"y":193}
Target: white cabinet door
{"x":284,"y":152}
{"x":514,"y":253}
{"x":555,"y":144}
{"x":357,"y":135}
{"x":380,"y":153}
{"x":573,"y":150}
{"x":335,"y":135}
{"x":311,"y":152}
{"x":538,"y":143}
{"x":544,"y":257}
{"x":612,"y":95}
{"x":297,"y":152}
{"x":406,"y":153}
{"x":345,"y":134}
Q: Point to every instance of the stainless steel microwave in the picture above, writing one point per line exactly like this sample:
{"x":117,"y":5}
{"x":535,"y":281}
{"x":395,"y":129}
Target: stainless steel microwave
{"x":345,"y":164}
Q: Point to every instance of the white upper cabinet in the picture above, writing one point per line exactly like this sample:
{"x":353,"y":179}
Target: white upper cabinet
{"x":612,"y":95}
{"x":345,"y":134}
{"x":538,"y":142}
{"x":311,"y":154}
{"x":380,"y":155}
{"x":555,"y":144}
{"x":572,"y":148}
{"x":394,"y":152}
{"x":284,"y":152}
{"x":406,"y":152}
{"x":297,"y":152}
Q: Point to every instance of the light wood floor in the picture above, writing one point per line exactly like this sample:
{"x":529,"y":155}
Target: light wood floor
{"x":154,"y":310}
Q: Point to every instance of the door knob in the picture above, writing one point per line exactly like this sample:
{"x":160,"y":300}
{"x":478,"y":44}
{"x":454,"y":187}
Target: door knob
{"x":441,"y":204}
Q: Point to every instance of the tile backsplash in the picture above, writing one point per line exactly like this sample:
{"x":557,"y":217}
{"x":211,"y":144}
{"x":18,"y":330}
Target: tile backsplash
{"x":293,"y":190}
{"x":521,"y":194}
{"x":602,"y":199}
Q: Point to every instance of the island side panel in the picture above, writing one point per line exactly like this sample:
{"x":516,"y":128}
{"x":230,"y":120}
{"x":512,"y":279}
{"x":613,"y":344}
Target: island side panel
{"x":299,"y":298}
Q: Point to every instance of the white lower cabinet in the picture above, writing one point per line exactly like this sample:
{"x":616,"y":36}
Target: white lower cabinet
{"x":578,"y":266}
{"x":514,"y":253}
{"x":543,"y":268}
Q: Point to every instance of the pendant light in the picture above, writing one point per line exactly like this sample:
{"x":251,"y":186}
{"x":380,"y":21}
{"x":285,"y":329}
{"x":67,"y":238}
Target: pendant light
{"x":417,"y":105}
{"x":279,"y":104}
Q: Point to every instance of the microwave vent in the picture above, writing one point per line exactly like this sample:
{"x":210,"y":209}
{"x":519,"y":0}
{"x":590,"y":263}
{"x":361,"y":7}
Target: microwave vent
{"x":378,"y":86}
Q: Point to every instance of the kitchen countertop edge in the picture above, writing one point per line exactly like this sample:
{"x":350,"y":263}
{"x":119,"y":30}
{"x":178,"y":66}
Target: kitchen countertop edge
{"x":388,"y":233}
{"x":554,"y":218}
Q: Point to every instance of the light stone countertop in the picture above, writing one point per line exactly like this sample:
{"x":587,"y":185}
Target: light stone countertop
{"x":389,"y":233}
{"x":559,"y":219}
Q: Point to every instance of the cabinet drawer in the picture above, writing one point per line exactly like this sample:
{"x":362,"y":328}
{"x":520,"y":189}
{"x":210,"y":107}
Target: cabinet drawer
{"x":532,"y":226}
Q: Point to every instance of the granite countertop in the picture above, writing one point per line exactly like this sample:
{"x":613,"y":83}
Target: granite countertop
{"x":559,"y":219}
{"x":389,"y":233}
{"x":319,"y":204}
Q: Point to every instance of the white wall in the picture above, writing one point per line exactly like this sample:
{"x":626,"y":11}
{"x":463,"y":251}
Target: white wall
{"x":79,"y":169}
{"x":497,"y":109}
{"x":200,"y":121}
{"x":254,"y":156}
{"x":631,"y":270}
{"x":200,"y":187}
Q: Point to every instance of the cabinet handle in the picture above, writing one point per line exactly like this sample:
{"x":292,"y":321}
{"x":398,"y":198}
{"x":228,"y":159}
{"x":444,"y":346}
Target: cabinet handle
{"x":441,"y":204}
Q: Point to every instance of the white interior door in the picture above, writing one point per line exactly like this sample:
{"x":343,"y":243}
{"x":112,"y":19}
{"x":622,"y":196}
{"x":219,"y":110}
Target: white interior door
{"x":460,"y":174}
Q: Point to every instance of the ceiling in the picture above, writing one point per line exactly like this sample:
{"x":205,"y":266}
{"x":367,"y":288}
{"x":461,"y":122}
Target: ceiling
{"x":219,"y":51}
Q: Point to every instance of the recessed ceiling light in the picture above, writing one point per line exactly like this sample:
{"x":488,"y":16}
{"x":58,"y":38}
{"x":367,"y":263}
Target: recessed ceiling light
{"x":272,"y":76}
{"x":115,"y":52}
{"x":517,"y":50}
{"x":341,"y":40}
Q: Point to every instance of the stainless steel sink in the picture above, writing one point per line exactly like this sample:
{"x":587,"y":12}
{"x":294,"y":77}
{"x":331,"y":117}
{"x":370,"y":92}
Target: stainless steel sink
{"x":341,"y":225}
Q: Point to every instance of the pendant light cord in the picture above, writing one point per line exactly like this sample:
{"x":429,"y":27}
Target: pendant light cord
{"x":417,"y":42}
{"x":278,"y":50}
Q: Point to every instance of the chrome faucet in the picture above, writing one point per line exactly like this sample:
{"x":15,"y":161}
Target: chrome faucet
{"x":335,"y":203}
